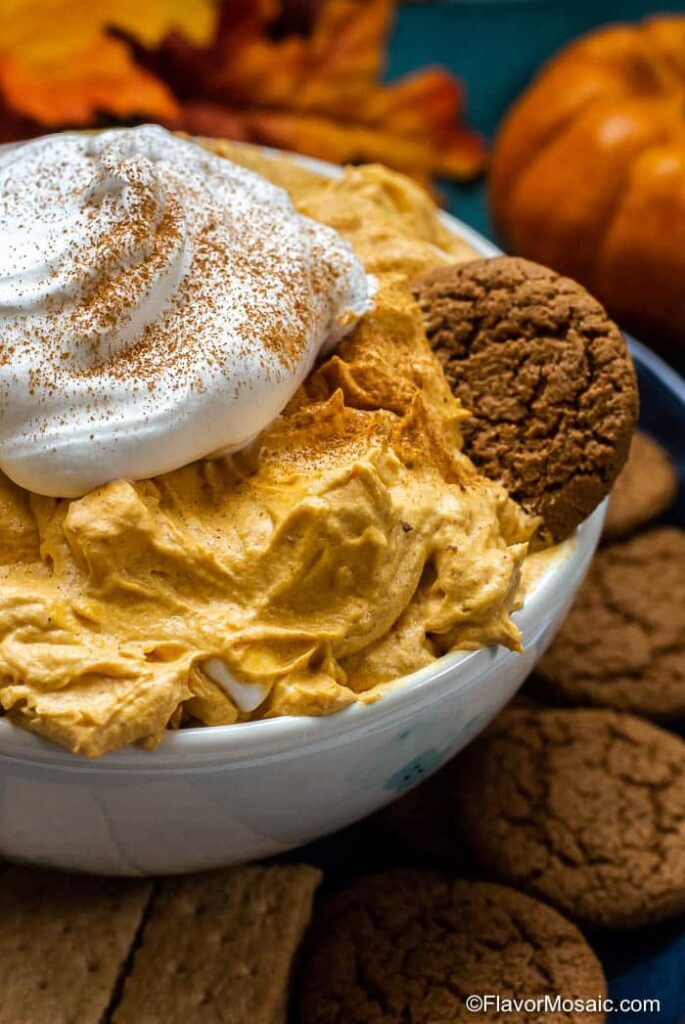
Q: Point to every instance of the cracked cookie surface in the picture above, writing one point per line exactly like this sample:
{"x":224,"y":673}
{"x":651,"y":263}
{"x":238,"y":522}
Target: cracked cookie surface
{"x":623,"y":643}
{"x":645,"y":488}
{"x":546,"y":375}
{"x":408,"y":946}
{"x":582,"y":808}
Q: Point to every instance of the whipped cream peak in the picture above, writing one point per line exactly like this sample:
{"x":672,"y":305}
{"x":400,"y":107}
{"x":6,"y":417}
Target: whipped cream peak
{"x":158,"y":304}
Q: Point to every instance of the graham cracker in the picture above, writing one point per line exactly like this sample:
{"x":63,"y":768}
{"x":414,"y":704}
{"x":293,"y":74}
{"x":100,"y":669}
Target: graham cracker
{"x":219,"y":948}
{"x":63,"y":940}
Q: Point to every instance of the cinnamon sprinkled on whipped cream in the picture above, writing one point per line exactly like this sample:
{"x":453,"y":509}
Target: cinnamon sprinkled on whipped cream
{"x":157,"y":304}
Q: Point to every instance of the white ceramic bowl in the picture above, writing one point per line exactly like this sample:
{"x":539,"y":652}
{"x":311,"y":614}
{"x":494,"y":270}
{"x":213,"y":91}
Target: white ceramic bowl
{"x":222,"y":795}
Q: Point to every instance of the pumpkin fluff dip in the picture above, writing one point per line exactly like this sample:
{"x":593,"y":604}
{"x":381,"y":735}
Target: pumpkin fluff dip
{"x":233,"y":484}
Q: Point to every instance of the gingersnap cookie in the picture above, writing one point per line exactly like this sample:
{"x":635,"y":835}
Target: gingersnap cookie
{"x":646,"y":487}
{"x":409,"y":947}
{"x":546,"y":376}
{"x":623,"y":644}
{"x":582,"y":808}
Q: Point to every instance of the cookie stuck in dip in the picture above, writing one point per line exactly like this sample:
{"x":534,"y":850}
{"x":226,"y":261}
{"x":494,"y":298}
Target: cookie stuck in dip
{"x":546,"y":376}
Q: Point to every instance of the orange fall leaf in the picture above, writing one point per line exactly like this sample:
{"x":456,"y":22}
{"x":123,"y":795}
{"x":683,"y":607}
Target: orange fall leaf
{"x":239,"y":70}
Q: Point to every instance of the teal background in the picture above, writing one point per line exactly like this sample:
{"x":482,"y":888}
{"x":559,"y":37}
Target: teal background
{"x":495,"y":48}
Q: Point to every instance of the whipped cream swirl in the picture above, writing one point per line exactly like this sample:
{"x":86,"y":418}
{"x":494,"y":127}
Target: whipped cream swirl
{"x":158,"y":304}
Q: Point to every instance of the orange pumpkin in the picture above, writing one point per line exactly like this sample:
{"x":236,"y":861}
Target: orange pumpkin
{"x":588,"y":172}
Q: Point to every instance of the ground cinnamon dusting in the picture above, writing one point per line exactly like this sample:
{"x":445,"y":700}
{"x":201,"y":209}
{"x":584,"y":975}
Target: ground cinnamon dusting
{"x":154,"y":280}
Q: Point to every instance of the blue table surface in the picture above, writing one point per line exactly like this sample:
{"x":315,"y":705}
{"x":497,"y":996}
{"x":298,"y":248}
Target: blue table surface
{"x":495,"y":48}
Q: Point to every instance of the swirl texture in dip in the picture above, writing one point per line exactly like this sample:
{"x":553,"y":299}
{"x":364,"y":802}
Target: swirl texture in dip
{"x":157,"y":304}
{"x":351,"y":544}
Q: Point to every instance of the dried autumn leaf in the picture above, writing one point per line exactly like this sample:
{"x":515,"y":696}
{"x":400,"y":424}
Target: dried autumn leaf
{"x":303,"y":75}
{"x":319,"y":92}
{"x":332,"y":68}
{"x":60,"y":64}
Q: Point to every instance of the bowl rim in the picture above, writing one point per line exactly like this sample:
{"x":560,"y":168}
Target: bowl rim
{"x":265,"y":738}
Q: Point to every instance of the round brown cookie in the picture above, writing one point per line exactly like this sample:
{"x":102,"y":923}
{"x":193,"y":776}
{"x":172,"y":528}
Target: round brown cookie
{"x":623,"y":644}
{"x":546,"y":375}
{"x":645,"y":488}
{"x":408,"y":947}
{"x":583,"y":808}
